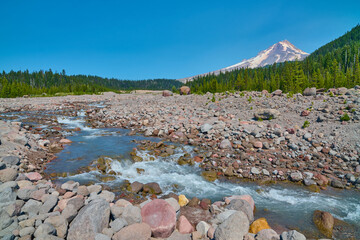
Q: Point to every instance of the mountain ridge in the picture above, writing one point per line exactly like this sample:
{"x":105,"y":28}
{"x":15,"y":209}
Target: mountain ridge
{"x":278,"y":52}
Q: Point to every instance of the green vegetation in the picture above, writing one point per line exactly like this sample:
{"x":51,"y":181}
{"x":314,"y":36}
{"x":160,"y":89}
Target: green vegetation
{"x":336,"y":64}
{"x":345,"y":117}
{"x":17,"y":84}
{"x":306,"y":124}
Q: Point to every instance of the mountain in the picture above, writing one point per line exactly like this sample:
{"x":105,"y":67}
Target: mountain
{"x":277,"y":53}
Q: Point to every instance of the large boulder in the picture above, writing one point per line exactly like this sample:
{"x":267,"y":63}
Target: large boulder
{"x":233,"y":228}
{"x":242,"y":205}
{"x":92,"y":219}
{"x":184,"y":90}
{"x":138,"y":231}
{"x":167,"y":93}
{"x":324,"y":221}
{"x":309,"y":92}
{"x":160,"y":216}
{"x":266,"y":114}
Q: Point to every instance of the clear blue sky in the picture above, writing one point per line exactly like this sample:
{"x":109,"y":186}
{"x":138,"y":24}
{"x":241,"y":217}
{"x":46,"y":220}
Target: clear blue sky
{"x":160,"y":39}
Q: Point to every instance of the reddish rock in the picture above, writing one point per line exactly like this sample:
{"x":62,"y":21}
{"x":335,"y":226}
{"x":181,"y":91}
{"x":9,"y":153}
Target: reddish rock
{"x":138,"y":231}
{"x":205,"y":203}
{"x":33,"y":176}
{"x":305,"y":113}
{"x":160,"y":216}
{"x":198,"y":159}
{"x":167,"y":93}
{"x":291,"y":130}
{"x":68,"y":195}
{"x":152,"y":188}
{"x":184,"y":90}
{"x":258,"y":144}
{"x":65,"y":141}
{"x":195,"y":215}
{"x":37,"y":195}
{"x":184,"y":225}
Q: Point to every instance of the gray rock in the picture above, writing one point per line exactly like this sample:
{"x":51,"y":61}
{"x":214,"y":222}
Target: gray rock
{"x":69,"y":213}
{"x":242,"y":205}
{"x":292,"y":235}
{"x":11,"y":160}
{"x":336,"y":183}
{"x":92,"y":219}
{"x":60,"y":224}
{"x":49,"y":204}
{"x":8,"y":174}
{"x":178,"y":236}
{"x":2,"y":165}
{"x":296,"y":176}
{"x":31,"y":207}
{"x":5,"y":219}
{"x":118,"y":224}
{"x":108,"y":196}
{"x":267,"y":234}
{"x":225,"y":144}
{"x":132,"y":214}
{"x":255,"y":171}
{"x":25,"y":193}
{"x":203,"y":227}
{"x":267,"y":114}
{"x":70,"y":185}
{"x":45,"y":229}
{"x":173,"y":203}
{"x":100,"y":236}
{"x":26,"y":231}
{"x":309,"y":92}
{"x":221,"y":217}
{"x":94,"y":188}
{"x":116,"y":211}
{"x":205,"y":128}
{"x":233,"y":228}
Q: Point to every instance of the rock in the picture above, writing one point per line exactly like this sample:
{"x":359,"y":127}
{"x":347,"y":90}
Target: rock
{"x":255,"y":171}
{"x":107,"y":195}
{"x":8,"y":174}
{"x":160,"y":216}
{"x":233,"y":228}
{"x":195,"y":215}
{"x":292,"y":235}
{"x":178,"y":236}
{"x":92,"y":219}
{"x":100,"y":236}
{"x":33,"y":176}
{"x":32,"y":207}
{"x":167,"y":93}
{"x":242,"y":205}
{"x":94,"y":188}
{"x":118,"y":224}
{"x":49,"y":204}
{"x":122,"y":203}
{"x":70,"y":185}
{"x":203,"y":227}
{"x":205,"y":203}
{"x":77,"y":202}
{"x":26,"y":231}
{"x":138,"y":231}
{"x":296,"y":176}
{"x":69,"y":213}
{"x":258,"y":144}
{"x":82,"y":190}
{"x":136,"y":187}
{"x":221,"y":217}
{"x":60,"y":224}
{"x":184,"y":90}
{"x":65,"y":141}
{"x":277,"y":92}
{"x":152,"y":188}
{"x":205,"y":128}
{"x":7,"y":196}
{"x":132,"y":214}
{"x":309,"y":92}
{"x":305,"y":113}
{"x":194,"y":202}
{"x":38,"y":194}
{"x":258,"y":225}
{"x":324,"y":221}
{"x":11,"y":160}
{"x":266,"y":114}
{"x":225,"y":144}
{"x":336,"y":183}
{"x":173,"y":203}
{"x":5,"y":219}
{"x":247,"y":198}
{"x":44,"y":229}
{"x":184,"y":225}
{"x":183,"y":201}
{"x":116,"y":211}
{"x":267,"y":234}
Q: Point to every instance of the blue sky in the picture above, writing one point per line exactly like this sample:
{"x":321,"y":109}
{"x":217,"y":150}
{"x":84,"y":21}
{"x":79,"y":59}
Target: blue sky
{"x":160,"y":39}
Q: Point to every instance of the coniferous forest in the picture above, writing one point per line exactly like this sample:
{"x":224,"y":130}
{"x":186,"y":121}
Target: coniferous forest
{"x":20,"y":83}
{"x":336,"y":64}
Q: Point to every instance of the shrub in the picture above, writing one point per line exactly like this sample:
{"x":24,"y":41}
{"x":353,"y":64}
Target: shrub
{"x":306,"y":124}
{"x":345,"y":117}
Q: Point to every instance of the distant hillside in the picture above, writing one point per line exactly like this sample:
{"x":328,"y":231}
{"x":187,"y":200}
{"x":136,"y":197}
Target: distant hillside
{"x":335,"y":64}
{"x":14,"y":84}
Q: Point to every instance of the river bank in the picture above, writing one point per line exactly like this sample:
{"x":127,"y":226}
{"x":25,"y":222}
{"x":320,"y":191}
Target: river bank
{"x":232,"y":153}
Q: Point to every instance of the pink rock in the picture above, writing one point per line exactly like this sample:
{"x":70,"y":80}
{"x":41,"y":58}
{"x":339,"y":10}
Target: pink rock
{"x":184,"y":225}
{"x":65,"y":141}
{"x":258,"y":144}
{"x":305,"y":113}
{"x":211,"y":232}
{"x":161,"y":217}
{"x":247,"y":198}
{"x":68,"y":195}
{"x":62,"y":203}
{"x":33,"y":176}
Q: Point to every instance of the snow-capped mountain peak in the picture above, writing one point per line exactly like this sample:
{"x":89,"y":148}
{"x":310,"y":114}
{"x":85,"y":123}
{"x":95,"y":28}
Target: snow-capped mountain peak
{"x":279,"y":52}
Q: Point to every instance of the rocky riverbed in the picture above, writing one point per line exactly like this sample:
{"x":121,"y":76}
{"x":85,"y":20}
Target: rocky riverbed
{"x":253,"y":136}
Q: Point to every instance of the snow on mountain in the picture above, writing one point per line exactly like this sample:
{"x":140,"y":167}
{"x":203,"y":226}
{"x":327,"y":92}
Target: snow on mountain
{"x":279,"y":52}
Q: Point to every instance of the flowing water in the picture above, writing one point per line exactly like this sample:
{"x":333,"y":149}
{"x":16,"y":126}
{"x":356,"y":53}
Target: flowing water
{"x":282,"y":204}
